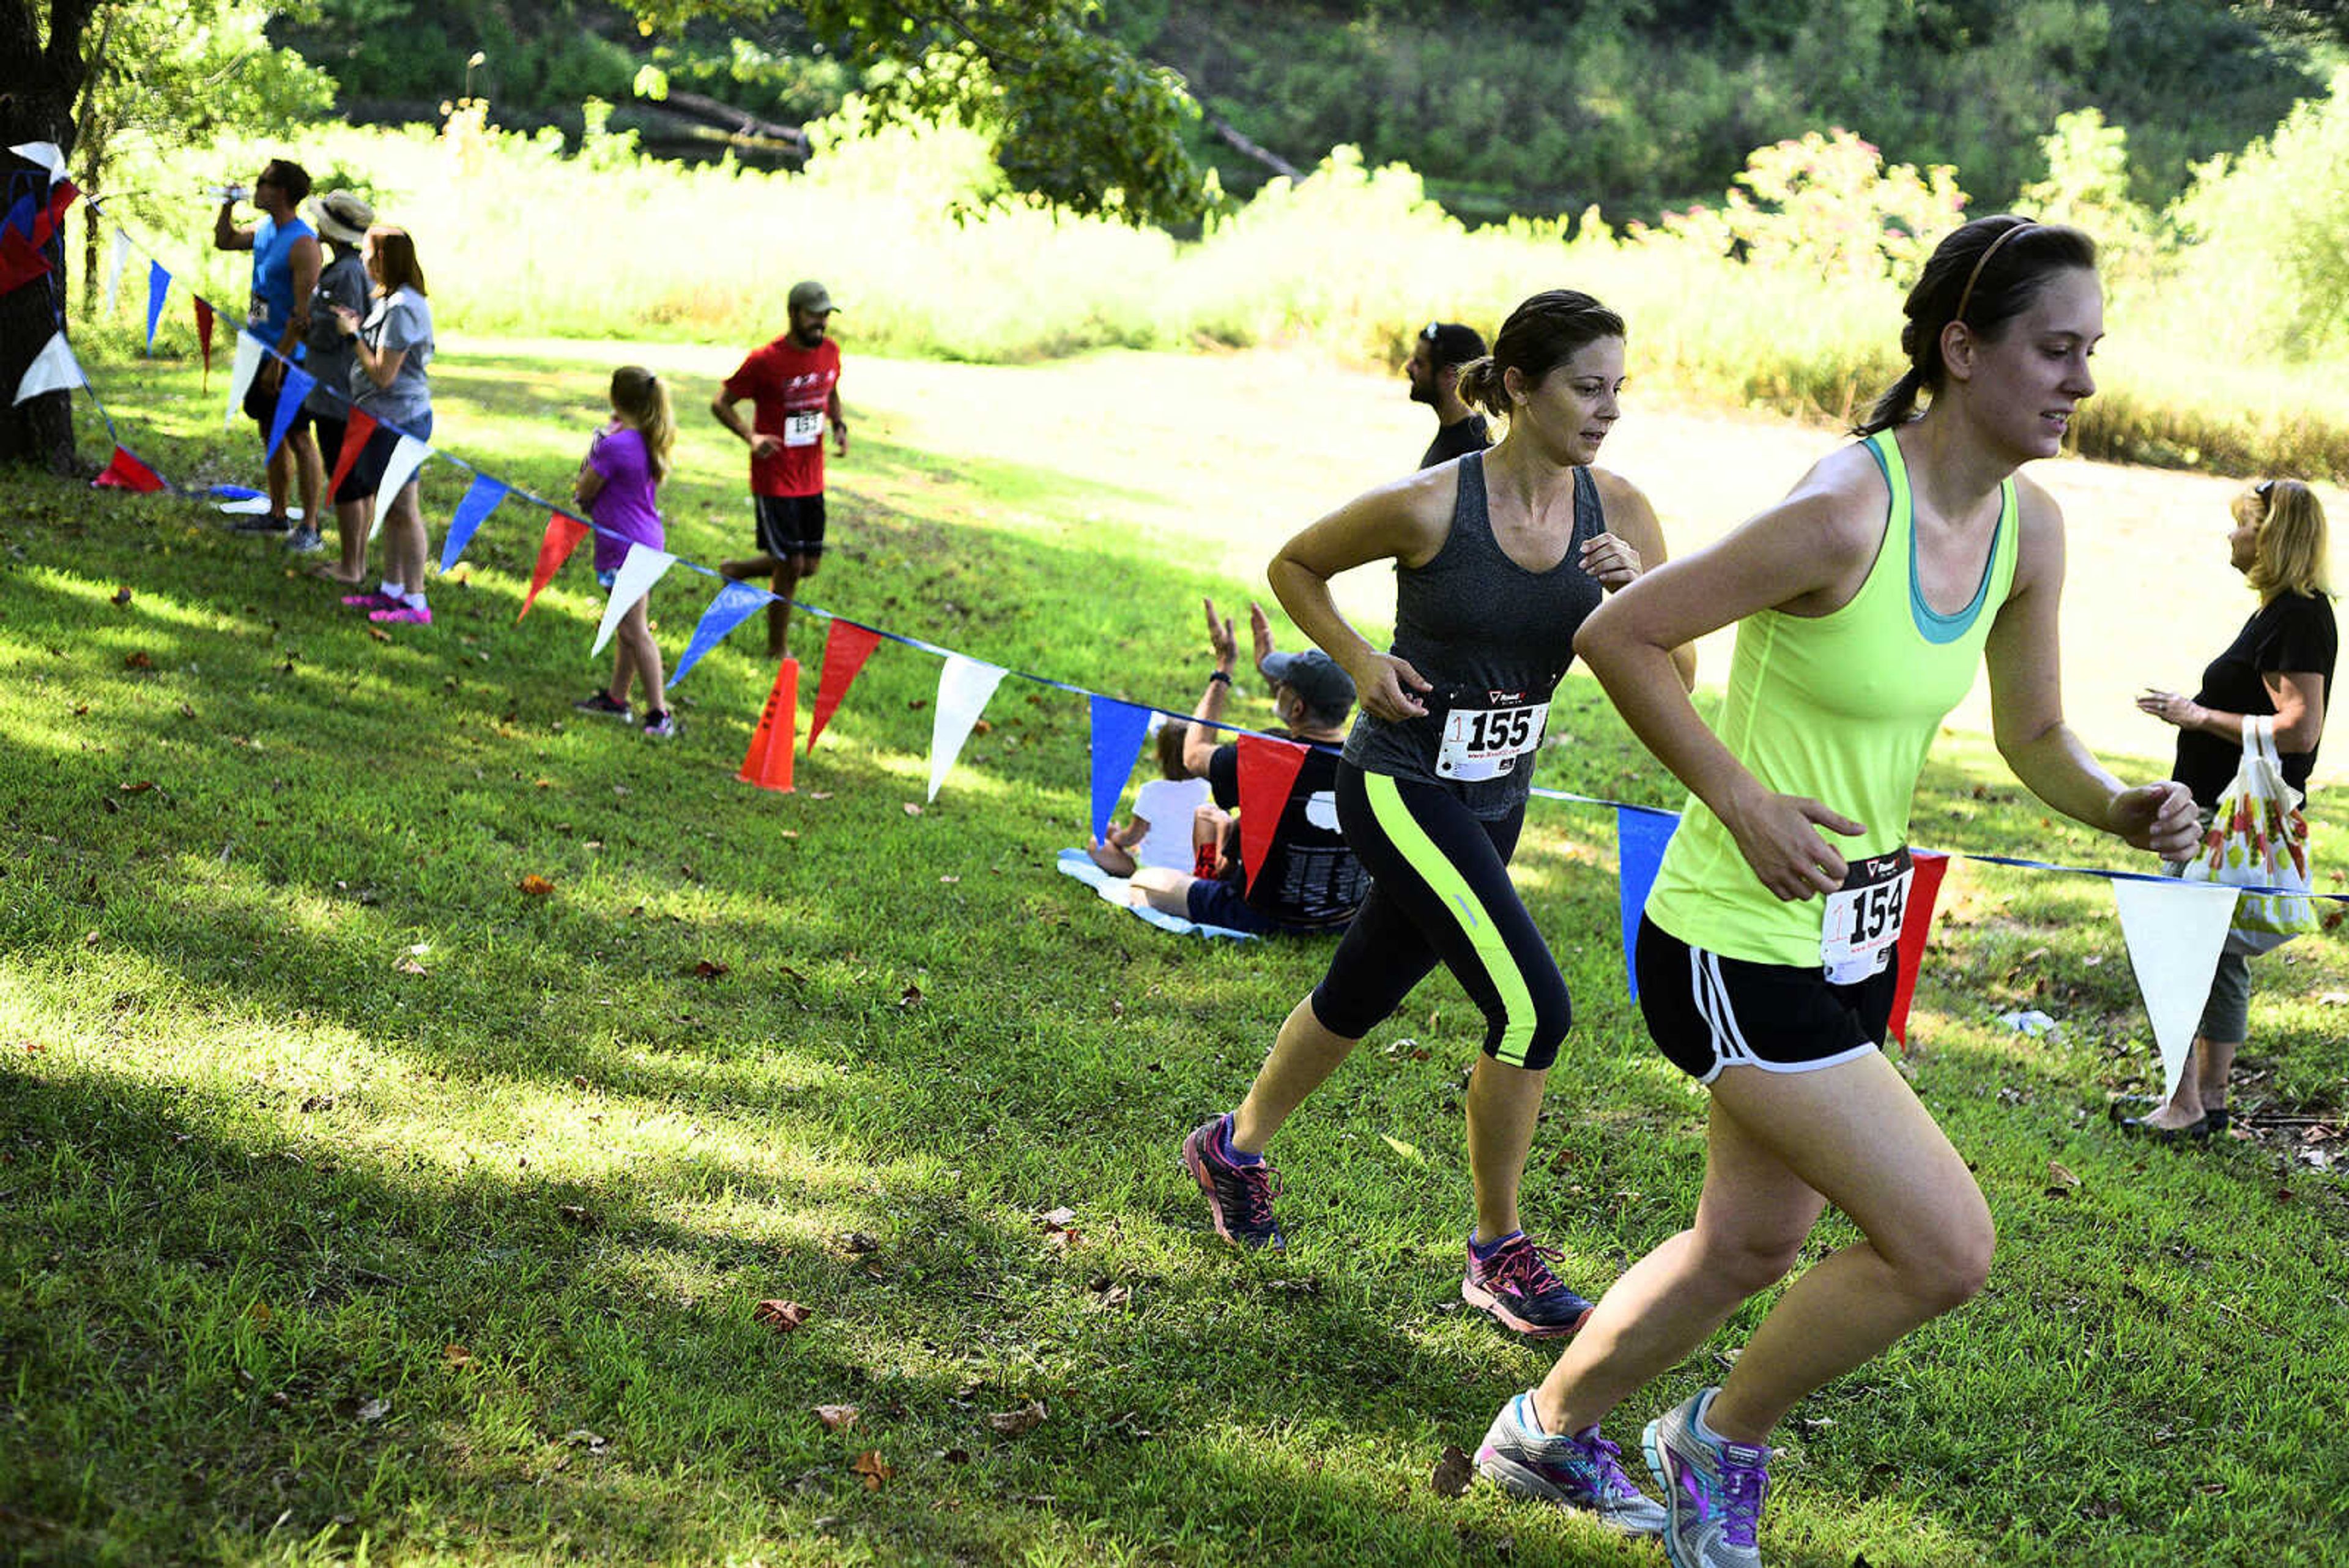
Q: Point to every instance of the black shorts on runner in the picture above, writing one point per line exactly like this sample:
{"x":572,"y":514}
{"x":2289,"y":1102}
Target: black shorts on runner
{"x":260,"y":407}
{"x":1707,"y":1012}
{"x":790,"y":524}
{"x":330,"y":439}
{"x":366,"y":476}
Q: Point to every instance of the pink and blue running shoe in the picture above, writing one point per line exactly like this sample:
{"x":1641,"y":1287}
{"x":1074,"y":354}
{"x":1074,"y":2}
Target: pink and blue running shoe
{"x":1578,"y":1471}
{"x":1713,"y":1489}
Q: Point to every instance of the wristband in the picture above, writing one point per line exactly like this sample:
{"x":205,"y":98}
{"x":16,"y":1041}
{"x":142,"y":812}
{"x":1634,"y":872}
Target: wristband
{"x":1219,"y":678}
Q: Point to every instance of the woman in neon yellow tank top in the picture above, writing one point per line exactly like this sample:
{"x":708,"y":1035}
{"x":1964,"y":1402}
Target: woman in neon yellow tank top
{"x":1862,"y":601}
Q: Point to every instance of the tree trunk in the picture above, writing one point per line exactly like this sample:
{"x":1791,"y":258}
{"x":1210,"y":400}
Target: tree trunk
{"x":43,"y":77}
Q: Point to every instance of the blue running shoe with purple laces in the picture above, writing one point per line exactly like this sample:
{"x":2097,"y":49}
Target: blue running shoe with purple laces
{"x":1579,"y":1470}
{"x":1240,"y":1195}
{"x":1512,"y":1281}
{"x":1713,"y":1489}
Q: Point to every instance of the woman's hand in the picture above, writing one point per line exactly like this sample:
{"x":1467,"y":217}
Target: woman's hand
{"x":1388,"y":688}
{"x":1226,"y":649}
{"x":2171,"y":708}
{"x":2156,"y":816}
{"x":1778,"y":835}
{"x":346,"y":321}
{"x":1611,"y":560}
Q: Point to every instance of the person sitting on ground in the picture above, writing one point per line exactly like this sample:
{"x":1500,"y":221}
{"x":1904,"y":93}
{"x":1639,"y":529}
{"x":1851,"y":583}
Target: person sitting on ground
{"x":1433,"y":369}
{"x":1310,"y":880}
{"x":1159,"y":832}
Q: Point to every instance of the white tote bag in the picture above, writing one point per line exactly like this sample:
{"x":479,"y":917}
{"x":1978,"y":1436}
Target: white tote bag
{"x":2258,"y":838}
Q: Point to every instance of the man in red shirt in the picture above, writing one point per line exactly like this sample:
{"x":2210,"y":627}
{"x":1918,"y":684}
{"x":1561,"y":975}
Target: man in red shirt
{"x":793,"y":388}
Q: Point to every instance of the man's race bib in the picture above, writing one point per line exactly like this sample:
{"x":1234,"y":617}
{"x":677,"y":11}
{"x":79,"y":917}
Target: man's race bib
{"x":803,"y":427}
{"x":1864,"y":914}
{"x":1485,"y":743}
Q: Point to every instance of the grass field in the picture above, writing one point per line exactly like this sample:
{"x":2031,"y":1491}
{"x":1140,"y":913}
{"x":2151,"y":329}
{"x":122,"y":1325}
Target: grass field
{"x":358,"y":1206}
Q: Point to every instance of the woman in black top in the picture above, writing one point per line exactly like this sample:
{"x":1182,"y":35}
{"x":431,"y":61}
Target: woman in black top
{"x":2281,"y":664}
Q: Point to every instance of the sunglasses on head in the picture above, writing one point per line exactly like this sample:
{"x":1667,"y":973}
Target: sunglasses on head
{"x":2263,"y":487}
{"x":1431,"y":331}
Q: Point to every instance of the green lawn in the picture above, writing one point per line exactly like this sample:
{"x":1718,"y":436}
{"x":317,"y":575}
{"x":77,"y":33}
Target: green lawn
{"x":358,"y":1206}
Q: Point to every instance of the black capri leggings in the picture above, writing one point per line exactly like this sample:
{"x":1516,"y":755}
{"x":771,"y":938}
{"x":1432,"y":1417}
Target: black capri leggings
{"x":1441,"y":890}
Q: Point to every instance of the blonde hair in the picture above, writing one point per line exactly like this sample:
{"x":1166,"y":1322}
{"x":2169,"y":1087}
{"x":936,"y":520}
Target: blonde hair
{"x":2291,"y":549}
{"x":641,"y":400}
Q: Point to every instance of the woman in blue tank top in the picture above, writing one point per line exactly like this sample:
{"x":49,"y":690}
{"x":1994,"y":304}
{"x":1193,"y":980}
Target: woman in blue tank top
{"x":1498,"y":557}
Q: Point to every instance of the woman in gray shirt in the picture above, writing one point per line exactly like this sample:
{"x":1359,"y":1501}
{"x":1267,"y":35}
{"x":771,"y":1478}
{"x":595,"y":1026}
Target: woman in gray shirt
{"x":391,"y":347}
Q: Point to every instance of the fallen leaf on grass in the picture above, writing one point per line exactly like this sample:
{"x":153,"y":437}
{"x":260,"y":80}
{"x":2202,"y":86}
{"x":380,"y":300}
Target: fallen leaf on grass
{"x":456,"y":1355}
{"x":259,"y":1313}
{"x":819,"y":794}
{"x":139,"y":787}
{"x":594,"y":1441}
{"x":138,"y":660}
{"x":1057,"y":1218}
{"x":782,"y":1316}
{"x":1404,"y":1149}
{"x":912,"y":997}
{"x":707,"y":968}
{"x":912,"y":808}
{"x":2060,"y":1181}
{"x":872,"y":1468}
{"x":377,"y":633}
{"x":837,"y":1418}
{"x":536,"y":886}
{"x":856,"y":1243}
{"x":1017,"y":1423}
{"x":1453,"y":1472}
{"x":374,"y":1410}
{"x":574,"y":1215}
{"x":409,"y":966}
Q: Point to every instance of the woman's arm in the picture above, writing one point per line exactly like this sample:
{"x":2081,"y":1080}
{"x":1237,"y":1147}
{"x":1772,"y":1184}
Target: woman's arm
{"x":2298,"y":696}
{"x":1804,"y":547}
{"x":1632,"y":546}
{"x":2025,"y":656}
{"x":381,"y":364}
{"x":1405,"y":522}
{"x":589,"y":484}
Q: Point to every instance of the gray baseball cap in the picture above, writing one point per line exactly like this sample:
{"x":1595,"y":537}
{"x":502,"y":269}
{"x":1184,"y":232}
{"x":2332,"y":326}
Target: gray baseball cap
{"x":811,"y":295}
{"x":1314,"y":676}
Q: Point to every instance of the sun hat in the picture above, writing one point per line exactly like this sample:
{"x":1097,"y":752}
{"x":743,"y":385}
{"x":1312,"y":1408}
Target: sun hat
{"x":342,"y":216}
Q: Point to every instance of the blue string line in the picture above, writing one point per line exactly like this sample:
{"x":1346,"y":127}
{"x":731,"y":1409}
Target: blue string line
{"x":932,"y":647}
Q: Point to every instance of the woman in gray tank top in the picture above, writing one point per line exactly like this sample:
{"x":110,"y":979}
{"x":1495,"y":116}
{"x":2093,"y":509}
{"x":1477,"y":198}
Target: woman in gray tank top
{"x":1498,"y":557}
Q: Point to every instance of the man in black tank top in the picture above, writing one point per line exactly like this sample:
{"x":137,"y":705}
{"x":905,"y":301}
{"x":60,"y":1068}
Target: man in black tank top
{"x":1434,"y":368}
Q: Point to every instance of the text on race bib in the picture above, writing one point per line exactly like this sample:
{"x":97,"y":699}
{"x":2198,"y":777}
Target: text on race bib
{"x":1863,"y":917}
{"x":1485,"y":743}
{"x":803,"y":427}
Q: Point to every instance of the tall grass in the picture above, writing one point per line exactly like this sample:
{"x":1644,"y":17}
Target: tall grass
{"x":520,"y":238}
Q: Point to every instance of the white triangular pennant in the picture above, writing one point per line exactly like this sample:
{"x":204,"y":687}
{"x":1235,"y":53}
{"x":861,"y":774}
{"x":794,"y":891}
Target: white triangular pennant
{"x":53,"y":370}
{"x":114,"y":273}
{"x":964,"y":687}
{"x":2174,"y":931}
{"x":405,"y":460}
{"x":250,"y":352}
{"x":48,"y":154}
{"x":632,"y":581}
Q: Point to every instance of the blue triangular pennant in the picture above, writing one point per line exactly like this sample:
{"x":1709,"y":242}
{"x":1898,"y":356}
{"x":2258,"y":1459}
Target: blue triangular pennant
{"x":1639,"y":839}
{"x":730,"y":609}
{"x":1118,"y":731}
{"x":158,"y":289}
{"x":482,"y":498}
{"x":290,"y":392}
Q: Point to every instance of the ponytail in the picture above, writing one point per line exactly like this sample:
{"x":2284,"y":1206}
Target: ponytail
{"x":641,"y":400}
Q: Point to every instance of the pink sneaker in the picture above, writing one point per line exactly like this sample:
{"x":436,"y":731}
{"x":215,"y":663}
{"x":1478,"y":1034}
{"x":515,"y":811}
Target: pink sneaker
{"x":402,"y":614}
{"x":370,"y":600}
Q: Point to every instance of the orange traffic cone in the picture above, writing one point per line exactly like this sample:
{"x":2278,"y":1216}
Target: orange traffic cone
{"x":768,"y":762}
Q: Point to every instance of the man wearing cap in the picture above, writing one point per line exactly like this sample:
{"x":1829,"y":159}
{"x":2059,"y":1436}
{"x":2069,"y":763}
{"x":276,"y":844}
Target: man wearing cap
{"x":341,"y":219}
{"x":285,"y":271}
{"x":1436,"y":355}
{"x":1310,"y":880}
{"x":794,"y":386}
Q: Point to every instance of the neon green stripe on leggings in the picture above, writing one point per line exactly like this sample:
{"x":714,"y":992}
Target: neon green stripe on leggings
{"x":1403,"y":830}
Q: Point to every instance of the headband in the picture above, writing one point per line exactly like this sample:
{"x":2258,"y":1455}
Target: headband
{"x":1965,"y":297}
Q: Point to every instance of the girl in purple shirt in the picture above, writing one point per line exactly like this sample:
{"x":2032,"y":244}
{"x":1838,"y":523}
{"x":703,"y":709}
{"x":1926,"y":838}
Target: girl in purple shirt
{"x":619,"y":484}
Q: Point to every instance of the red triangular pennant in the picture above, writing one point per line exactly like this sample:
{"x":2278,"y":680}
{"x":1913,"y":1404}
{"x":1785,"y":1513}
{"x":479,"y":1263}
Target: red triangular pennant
{"x":1916,"y":925}
{"x":355,"y":436}
{"x":45,"y":224}
{"x":205,"y":340}
{"x":1268,"y":769}
{"x":127,"y":473}
{"x":847,"y":647}
{"x":563,"y":536}
{"x":20,"y":260}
